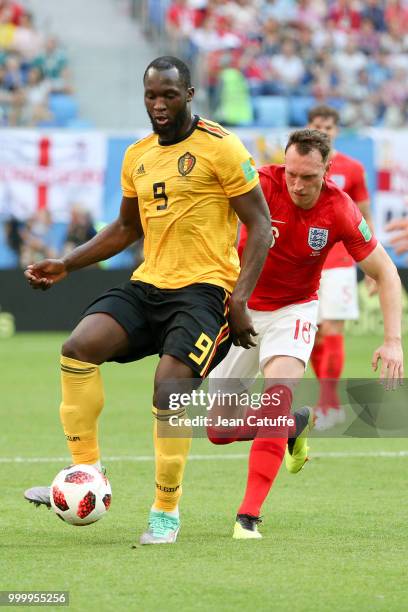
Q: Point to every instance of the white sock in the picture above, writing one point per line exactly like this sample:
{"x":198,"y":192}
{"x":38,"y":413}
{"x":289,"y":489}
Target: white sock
{"x":174,"y":513}
{"x":97,"y":465}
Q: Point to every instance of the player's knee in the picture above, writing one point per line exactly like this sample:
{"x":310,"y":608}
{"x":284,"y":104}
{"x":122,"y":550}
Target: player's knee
{"x":172,"y":394}
{"x":162,"y":400}
{"x":331,"y":328}
{"x":214,"y":439}
{"x":75,"y":349}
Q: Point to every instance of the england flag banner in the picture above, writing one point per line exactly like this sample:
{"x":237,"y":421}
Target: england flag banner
{"x":52,"y":171}
{"x":391,"y":200}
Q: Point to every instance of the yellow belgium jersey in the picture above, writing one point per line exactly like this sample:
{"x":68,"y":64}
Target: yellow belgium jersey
{"x":183,"y":192}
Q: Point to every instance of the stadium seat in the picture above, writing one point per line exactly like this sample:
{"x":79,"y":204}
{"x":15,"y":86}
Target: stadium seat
{"x":271,"y":111}
{"x":122,"y":261}
{"x":336,"y":103}
{"x":64,"y":108}
{"x":57,"y":235}
{"x":298,"y":109}
{"x":80,"y":124}
{"x":157,"y":13}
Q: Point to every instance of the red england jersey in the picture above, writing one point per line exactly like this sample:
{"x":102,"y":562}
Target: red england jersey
{"x":303,"y":239}
{"x":349,"y":175}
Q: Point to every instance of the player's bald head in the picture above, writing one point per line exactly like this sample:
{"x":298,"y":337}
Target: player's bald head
{"x":167,"y":62}
{"x":305,"y":141}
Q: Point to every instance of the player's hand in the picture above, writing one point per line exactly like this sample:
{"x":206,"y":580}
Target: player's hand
{"x":392,"y":364}
{"x":371,"y":285}
{"x":241,"y":327}
{"x":399,"y":240}
{"x":44,"y":274}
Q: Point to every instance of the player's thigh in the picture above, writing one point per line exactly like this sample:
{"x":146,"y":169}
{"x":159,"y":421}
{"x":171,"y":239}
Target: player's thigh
{"x":232,"y":377}
{"x":194,"y":327}
{"x":291,"y":332}
{"x":331,"y":327}
{"x":96,"y":338}
{"x":237,"y":370}
{"x":114,"y":327}
{"x":283,"y":367}
{"x":338,"y":294}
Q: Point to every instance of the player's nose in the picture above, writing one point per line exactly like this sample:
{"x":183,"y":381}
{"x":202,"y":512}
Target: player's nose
{"x":159,"y":104}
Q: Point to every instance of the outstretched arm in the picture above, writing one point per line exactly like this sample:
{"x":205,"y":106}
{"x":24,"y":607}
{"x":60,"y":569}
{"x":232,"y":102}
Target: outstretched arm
{"x":253,"y":211}
{"x":379,"y":266}
{"x":113,"y":239}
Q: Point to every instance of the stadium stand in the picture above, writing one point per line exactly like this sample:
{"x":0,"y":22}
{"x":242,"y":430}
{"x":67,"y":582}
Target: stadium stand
{"x":352,"y":51}
{"x":35,"y":87}
{"x":257,"y":63}
{"x":35,"y":91}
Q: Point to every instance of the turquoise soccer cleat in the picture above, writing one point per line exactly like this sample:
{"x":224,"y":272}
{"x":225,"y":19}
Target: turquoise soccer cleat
{"x":163,"y":529}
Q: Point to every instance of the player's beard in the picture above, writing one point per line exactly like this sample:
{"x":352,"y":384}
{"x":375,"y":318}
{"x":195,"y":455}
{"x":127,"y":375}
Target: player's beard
{"x":171,"y":131}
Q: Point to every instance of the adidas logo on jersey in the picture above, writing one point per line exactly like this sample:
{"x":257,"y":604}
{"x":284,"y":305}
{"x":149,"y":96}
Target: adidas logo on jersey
{"x":141,"y":170}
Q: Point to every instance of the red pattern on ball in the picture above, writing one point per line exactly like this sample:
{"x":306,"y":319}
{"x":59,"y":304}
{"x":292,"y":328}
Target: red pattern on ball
{"x":79,"y":477}
{"x":86,"y":505}
{"x":59,"y":498}
{"x":107,"y":500}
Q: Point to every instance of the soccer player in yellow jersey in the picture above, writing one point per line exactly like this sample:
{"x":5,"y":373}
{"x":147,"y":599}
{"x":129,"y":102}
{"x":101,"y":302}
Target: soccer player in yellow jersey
{"x":184,"y":188}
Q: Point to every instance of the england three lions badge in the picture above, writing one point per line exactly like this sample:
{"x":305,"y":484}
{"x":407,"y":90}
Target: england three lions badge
{"x":318,"y":238}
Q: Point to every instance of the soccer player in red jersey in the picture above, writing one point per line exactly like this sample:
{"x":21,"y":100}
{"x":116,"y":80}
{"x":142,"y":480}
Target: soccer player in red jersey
{"x":309,"y":214}
{"x":338,"y":294}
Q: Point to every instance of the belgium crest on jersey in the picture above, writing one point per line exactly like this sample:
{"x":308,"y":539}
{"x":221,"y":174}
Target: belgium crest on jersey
{"x":186,"y":163}
{"x":318,"y":238}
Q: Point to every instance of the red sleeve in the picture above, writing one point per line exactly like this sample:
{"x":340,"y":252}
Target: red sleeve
{"x":267,"y":181}
{"x":266,"y":184}
{"x":359,"y":191}
{"x":353,"y":229}
{"x":270,"y":178}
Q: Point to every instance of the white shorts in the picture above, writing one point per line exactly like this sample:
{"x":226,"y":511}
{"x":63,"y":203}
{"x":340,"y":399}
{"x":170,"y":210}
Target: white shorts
{"x":288,"y":331}
{"x":338,"y":294}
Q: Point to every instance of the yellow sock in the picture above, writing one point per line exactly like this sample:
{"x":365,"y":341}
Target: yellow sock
{"x":82,"y":402}
{"x":171,"y":456}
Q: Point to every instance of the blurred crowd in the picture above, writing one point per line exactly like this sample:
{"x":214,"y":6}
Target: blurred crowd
{"x":40,"y":238}
{"x":33,"y":68}
{"x":349,"y":53}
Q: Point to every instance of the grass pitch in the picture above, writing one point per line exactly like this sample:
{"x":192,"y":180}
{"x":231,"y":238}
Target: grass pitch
{"x":335,"y":536}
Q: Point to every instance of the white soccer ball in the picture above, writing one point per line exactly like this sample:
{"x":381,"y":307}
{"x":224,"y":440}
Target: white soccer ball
{"x":80,"y":494}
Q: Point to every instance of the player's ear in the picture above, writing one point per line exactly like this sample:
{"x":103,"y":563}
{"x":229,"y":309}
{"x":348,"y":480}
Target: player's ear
{"x":328,"y":166}
{"x":190,"y":94}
